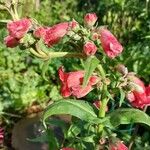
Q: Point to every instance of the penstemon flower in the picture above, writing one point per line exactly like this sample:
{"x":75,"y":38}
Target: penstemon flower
{"x":72,"y":83}
{"x":17,"y":30}
{"x":109,"y":43}
{"x":54,"y":34}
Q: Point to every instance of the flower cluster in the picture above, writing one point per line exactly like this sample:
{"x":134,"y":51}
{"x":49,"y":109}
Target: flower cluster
{"x":52,"y":35}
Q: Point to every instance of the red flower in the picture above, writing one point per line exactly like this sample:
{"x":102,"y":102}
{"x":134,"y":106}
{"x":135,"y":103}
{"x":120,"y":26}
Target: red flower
{"x":140,"y":96}
{"x":67,"y":148}
{"x":55,"y":33}
{"x":109,"y":43}
{"x":147,"y":91}
{"x":72,"y":83}
{"x":89,"y":48}
{"x":11,"y":41}
{"x":90,"y":19}
{"x":1,"y":135}
{"x":40,"y":32}
{"x":118,"y":146}
{"x":19,"y":28}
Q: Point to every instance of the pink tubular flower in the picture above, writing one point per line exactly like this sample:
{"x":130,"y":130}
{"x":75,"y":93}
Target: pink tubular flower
{"x":109,"y":43}
{"x":11,"y":41}
{"x":72,"y":83}
{"x":55,"y":33}
{"x":89,"y":48}
{"x":90,"y":19}
{"x":19,"y":28}
{"x":40,"y":32}
{"x":118,"y":146}
{"x":1,"y":135}
{"x":140,"y":96}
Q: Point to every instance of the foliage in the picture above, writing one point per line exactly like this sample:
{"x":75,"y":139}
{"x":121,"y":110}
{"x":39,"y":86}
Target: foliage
{"x":25,"y":79}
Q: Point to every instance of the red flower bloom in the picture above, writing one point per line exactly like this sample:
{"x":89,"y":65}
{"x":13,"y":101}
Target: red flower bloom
{"x":19,"y":28}
{"x":109,"y":43}
{"x":118,"y":146}
{"x":1,"y":135}
{"x":11,"y":41}
{"x":72,"y":83}
{"x":140,"y":96}
{"x":55,"y":33}
{"x":90,"y":19}
{"x":40,"y":32}
{"x":89,"y":48}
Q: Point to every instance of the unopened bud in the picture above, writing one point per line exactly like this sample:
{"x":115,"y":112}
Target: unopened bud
{"x":90,"y":19}
{"x":74,"y":25}
{"x":122,"y":69}
{"x":135,"y":87}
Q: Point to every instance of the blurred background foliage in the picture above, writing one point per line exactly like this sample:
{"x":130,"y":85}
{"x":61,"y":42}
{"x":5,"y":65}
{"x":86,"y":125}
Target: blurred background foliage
{"x":21,"y":83}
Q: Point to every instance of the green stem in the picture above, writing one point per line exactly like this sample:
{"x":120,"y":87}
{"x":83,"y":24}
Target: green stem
{"x":104,"y":99}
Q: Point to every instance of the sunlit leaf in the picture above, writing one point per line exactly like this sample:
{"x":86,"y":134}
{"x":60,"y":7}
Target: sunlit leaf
{"x":127,"y":116}
{"x":90,"y":65}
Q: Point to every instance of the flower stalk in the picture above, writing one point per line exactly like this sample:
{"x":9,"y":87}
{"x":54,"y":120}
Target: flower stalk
{"x":104,"y":100}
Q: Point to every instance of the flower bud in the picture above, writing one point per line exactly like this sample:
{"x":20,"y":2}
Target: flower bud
{"x":122,"y":69}
{"x":95,"y":36}
{"x":135,"y":87}
{"x":74,"y":25}
{"x":89,"y":48}
{"x":11,"y":41}
{"x":90,"y":19}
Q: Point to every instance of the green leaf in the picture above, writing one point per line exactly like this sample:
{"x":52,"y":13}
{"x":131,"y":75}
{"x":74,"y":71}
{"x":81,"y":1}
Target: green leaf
{"x":127,"y":116}
{"x":45,"y":66}
{"x":73,"y":131}
{"x":77,"y":108}
{"x":90,"y":65}
{"x":122,"y":97}
{"x":89,"y":139}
